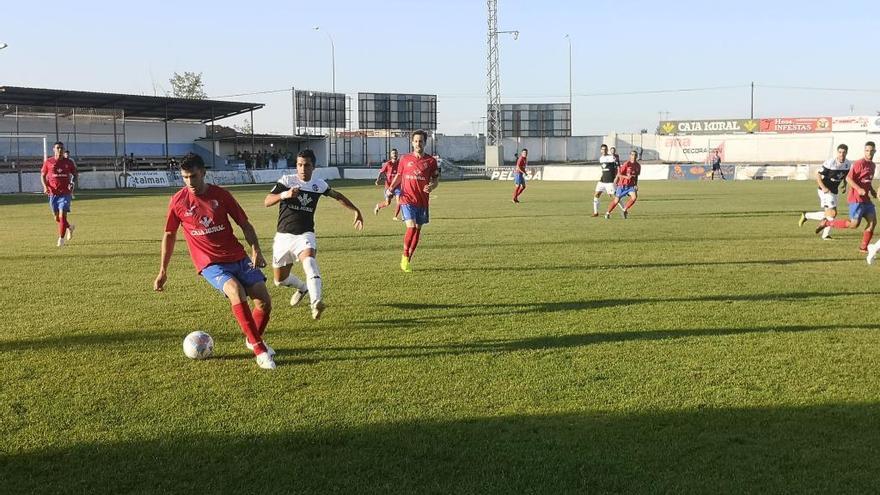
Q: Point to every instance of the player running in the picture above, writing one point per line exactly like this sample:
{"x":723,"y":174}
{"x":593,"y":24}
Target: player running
{"x":609,"y":165}
{"x":627,"y":184}
{"x":829,"y":178}
{"x":417,"y":176}
{"x":859,"y":199}
{"x":389,"y":169}
{"x":204,"y":210}
{"x":59,"y":176}
{"x":298,"y":196}
{"x":519,"y":174}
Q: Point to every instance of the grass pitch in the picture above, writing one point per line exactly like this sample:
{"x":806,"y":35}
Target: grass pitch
{"x":704,"y":345}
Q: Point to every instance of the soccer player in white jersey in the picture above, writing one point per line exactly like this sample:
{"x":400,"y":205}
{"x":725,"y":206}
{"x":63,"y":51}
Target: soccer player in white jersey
{"x":298,"y":196}
{"x":829,"y":178}
{"x":609,"y":164}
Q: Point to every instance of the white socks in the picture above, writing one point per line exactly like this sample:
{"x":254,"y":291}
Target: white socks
{"x":313,"y":279}
{"x":595,"y":206}
{"x":815,"y":215}
{"x":292,"y":281}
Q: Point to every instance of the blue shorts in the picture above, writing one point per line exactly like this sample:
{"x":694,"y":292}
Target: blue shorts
{"x":519,"y":179}
{"x":624,"y":190}
{"x":60,"y":202}
{"x":389,"y":192}
{"x":859,"y":210}
{"x":219,"y":273}
{"x":416,"y":213}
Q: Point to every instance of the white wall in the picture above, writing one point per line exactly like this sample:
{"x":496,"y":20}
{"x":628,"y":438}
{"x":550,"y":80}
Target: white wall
{"x":752,"y":148}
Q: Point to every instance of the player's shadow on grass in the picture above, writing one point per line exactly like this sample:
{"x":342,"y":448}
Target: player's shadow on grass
{"x":829,"y":448}
{"x":549,"y":342}
{"x":97,"y":340}
{"x":493,"y":309}
{"x":617,"y":266}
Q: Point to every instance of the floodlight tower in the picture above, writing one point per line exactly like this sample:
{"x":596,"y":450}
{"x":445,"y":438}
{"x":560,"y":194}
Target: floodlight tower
{"x":493,"y":90}
{"x":494,"y":150}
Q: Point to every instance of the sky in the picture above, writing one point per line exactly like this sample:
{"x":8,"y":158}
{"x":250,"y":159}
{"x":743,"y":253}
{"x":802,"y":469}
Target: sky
{"x":440,"y":48}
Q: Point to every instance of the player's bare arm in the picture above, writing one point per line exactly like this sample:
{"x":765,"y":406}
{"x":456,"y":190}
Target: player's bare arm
{"x":395,"y":182}
{"x":45,"y":185}
{"x":358,"y":218}
{"x":855,"y":186}
{"x":274,"y":199}
{"x":430,"y":186}
{"x":250,"y":235}
{"x":168,"y":241}
{"x":819,"y":181}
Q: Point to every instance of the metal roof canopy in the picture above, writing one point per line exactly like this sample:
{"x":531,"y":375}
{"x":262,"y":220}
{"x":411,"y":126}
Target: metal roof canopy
{"x":134,"y":106}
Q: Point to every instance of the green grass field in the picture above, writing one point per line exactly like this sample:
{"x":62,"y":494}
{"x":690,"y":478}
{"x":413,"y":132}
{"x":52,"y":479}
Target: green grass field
{"x":707,"y":344}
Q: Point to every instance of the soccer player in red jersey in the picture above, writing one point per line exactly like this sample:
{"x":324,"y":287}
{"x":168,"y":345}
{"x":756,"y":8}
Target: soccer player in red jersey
{"x":519,"y":174}
{"x":58,"y":176}
{"x":417,"y":175}
{"x":204,"y":210}
{"x":627,"y":184}
{"x":859,"y":198}
{"x":389,"y":169}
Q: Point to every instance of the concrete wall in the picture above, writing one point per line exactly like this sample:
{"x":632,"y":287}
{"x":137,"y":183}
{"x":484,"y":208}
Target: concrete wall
{"x":755,"y":148}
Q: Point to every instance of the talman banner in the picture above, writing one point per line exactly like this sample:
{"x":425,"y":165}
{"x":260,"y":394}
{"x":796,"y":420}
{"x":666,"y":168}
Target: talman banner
{"x":144,"y":179}
{"x":730,"y":126}
{"x":506,"y":173}
{"x":798,"y":124}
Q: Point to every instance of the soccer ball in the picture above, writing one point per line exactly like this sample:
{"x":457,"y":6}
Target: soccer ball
{"x":198,"y":345}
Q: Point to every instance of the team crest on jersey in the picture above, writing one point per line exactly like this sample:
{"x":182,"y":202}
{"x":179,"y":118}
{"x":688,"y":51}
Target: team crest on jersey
{"x":304,"y":199}
{"x":206,"y":221}
{"x":190,"y":211}
{"x":315,"y":187}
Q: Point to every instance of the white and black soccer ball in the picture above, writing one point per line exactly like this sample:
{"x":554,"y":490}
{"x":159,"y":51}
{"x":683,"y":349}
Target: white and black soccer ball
{"x":198,"y":345}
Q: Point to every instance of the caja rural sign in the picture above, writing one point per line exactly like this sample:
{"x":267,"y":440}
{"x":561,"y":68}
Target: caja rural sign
{"x":730,"y":126}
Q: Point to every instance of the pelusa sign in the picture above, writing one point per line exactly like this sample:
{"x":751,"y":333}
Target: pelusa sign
{"x":730,"y":126}
{"x":506,"y":173}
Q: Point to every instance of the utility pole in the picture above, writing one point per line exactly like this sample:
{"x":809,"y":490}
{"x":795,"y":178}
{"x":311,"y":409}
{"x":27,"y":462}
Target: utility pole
{"x":752,"y":112}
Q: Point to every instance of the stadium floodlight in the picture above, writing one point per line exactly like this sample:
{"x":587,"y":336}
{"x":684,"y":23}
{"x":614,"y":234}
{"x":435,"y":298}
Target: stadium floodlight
{"x":3,"y":45}
{"x":332,"y":59}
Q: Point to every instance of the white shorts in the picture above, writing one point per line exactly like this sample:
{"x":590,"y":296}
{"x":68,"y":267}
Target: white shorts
{"x":606,"y":187}
{"x":287,"y":247}
{"x":827,"y":200}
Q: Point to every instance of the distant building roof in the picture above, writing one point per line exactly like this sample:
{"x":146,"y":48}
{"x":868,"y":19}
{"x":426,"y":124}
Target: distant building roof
{"x":134,"y":106}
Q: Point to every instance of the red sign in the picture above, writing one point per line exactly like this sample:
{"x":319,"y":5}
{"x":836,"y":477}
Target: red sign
{"x":792,"y":125}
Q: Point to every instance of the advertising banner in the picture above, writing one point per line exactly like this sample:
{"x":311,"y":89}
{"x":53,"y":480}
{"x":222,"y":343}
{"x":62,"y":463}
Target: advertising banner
{"x":850,"y":123}
{"x":796,"y":124}
{"x":729,"y":126}
{"x":139,"y":180}
{"x":506,"y":173}
{"x":699,"y":172}
{"x":874,"y":124}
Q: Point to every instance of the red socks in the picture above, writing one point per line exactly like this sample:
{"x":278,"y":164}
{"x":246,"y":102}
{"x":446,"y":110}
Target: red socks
{"x":62,"y":226}
{"x":414,"y":242}
{"x":245,"y":319}
{"x":866,"y":239}
{"x":517,"y":191}
{"x":629,"y":203}
{"x":410,"y":241}
{"x":407,"y":239}
{"x":261,"y":320}
{"x":837,"y":224}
